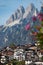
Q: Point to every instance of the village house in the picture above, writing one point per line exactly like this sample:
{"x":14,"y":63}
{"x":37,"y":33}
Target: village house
{"x":19,"y":54}
{"x":8,"y":52}
{"x":31,"y":54}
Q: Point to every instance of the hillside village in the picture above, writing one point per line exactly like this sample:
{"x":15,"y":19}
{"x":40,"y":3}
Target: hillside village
{"x":28,"y":53}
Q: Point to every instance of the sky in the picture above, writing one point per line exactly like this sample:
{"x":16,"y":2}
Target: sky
{"x":7,"y":7}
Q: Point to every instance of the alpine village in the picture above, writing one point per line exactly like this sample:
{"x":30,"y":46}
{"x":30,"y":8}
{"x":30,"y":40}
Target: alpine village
{"x":26,"y":54}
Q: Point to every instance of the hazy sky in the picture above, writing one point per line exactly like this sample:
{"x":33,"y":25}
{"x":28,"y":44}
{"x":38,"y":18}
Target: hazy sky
{"x":7,"y":7}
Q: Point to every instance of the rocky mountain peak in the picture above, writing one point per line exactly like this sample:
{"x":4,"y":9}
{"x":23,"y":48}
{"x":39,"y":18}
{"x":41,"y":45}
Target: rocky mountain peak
{"x":14,"y":30}
{"x":16,"y":15}
{"x":30,"y":11}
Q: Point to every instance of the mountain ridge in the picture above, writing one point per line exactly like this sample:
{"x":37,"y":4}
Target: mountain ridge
{"x":14,"y":29}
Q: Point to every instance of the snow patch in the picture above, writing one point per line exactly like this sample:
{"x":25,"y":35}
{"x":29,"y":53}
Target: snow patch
{"x":13,"y":23}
